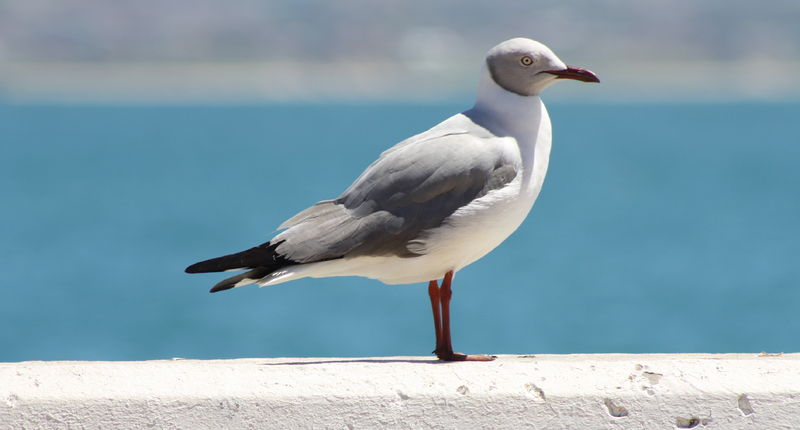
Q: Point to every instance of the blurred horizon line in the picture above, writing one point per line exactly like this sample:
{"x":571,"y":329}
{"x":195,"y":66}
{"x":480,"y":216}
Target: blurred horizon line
{"x":380,"y":81}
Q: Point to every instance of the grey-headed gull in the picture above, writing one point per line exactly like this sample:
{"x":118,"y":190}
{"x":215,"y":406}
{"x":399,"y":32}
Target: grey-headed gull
{"x":433,"y":203}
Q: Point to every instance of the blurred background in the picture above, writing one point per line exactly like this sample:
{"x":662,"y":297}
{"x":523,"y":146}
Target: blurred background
{"x":254,"y":50}
{"x":139,"y":137}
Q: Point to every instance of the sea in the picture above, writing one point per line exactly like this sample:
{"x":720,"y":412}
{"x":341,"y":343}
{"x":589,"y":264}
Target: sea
{"x":661,"y":228}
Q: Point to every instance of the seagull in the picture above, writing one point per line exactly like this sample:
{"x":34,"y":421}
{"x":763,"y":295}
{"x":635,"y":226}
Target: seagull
{"x":433,"y":203}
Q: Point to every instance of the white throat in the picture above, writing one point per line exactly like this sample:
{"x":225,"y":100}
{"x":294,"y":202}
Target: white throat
{"x":504,"y":112}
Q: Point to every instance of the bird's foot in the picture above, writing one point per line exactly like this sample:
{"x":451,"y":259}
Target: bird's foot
{"x":457,"y":356}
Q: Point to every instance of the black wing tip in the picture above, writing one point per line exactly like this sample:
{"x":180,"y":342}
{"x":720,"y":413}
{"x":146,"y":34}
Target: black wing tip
{"x":217,"y":288}
{"x":212,"y":266}
{"x":194,"y":268}
{"x":236,"y":281}
{"x":259,"y":256}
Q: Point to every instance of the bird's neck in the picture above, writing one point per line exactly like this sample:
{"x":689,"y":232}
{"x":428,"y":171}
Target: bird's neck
{"x":525,"y":119}
{"x":504,"y":112}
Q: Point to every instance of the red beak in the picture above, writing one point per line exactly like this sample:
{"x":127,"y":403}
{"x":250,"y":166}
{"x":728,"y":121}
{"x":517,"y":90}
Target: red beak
{"x":575,"y":73}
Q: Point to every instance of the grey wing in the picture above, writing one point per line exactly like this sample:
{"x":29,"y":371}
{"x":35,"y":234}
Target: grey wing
{"x":412,"y":188}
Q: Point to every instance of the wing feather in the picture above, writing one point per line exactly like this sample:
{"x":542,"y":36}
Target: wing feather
{"x":411,"y":188}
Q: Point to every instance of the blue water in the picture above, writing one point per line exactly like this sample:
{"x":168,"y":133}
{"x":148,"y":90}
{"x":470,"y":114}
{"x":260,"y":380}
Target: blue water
{"x":661,"y":228}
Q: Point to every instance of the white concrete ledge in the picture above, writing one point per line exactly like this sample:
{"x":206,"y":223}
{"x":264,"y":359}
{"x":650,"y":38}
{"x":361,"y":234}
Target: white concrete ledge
{"x":728,"y":391}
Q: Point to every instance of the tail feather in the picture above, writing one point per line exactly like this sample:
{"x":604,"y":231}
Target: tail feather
{"x":262,"y":259}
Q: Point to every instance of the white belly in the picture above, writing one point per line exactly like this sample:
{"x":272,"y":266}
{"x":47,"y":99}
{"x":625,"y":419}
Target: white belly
{"x":467,"y":235}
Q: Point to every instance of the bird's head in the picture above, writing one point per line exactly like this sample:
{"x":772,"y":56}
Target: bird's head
{"x":526,"y":67}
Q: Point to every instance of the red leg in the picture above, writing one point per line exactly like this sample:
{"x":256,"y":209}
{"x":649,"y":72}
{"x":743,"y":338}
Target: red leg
{"x":446,"y":352}
{"x":436,"y":305}
{"x":446,"y":293}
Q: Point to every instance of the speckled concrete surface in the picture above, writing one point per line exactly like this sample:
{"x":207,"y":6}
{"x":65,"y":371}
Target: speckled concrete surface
{"x":603,"y":391}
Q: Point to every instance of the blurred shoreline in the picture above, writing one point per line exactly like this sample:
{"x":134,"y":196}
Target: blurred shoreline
{"x":379,"y":81}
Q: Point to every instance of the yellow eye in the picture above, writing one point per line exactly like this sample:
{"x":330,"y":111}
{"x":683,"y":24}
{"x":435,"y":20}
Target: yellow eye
{"x":526,"y":61}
